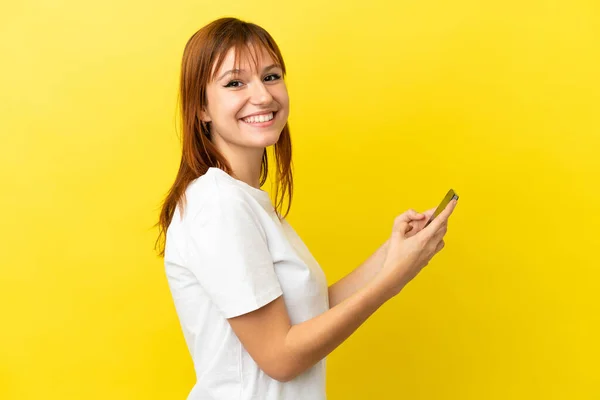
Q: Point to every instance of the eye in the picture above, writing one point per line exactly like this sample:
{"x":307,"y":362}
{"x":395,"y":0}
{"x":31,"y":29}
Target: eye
{"x":231,"y":84}
{"x":274,"y":76}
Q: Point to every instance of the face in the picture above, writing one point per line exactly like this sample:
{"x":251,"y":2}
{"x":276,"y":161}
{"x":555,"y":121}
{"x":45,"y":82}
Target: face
{"x":247,"y":108}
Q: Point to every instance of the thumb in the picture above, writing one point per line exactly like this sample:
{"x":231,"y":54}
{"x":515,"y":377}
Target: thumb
{"x":401,"y":223}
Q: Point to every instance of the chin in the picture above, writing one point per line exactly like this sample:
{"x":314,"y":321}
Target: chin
{"x":268,"y":140}
{"x":265,"y":138}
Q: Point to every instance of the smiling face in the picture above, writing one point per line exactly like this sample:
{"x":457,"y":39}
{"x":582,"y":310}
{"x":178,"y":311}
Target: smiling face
{"x":247,"y":107}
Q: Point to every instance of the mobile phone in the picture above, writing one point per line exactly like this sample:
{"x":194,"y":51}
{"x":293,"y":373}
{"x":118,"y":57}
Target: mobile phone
{"x":451,"y":195}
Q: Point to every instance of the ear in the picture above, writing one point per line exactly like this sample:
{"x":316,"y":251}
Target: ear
{"x":204,"y":117}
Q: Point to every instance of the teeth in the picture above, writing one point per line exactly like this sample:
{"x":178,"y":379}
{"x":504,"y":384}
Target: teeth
{"x":259,"y":118}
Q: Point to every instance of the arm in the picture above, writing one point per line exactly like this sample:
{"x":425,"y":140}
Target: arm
{"x":284,"y":351}
{"x":358,"y":278}
{"x":363,"y":274}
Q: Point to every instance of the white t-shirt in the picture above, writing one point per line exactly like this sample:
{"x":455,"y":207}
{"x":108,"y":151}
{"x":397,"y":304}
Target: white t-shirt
{"x":229,"y":254}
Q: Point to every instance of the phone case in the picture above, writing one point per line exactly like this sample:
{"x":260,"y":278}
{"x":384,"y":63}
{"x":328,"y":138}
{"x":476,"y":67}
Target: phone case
{"x":451,"y":195}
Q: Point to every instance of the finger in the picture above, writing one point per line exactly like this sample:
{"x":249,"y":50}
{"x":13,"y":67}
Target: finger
{"x":429,"y":212}
{"x":439,"y":234}
{"x":418,"y":225}
{"x":417,"y":220}
{"x":410,"y":215}
{"x":442,"y":218}
{"x":440,"y":246}
{"x":402,"y":221}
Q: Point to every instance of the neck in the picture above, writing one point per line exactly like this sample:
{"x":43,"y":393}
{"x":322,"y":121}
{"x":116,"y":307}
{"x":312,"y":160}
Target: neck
{"x":245,"y":162}
{"x":247,"y":173}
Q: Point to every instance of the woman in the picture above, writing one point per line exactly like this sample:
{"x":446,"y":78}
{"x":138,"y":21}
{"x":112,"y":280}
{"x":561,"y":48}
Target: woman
{"x":256,"y":311}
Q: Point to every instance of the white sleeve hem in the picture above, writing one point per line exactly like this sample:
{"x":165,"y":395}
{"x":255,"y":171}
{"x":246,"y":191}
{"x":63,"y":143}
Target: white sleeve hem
{"x":237,"y":309}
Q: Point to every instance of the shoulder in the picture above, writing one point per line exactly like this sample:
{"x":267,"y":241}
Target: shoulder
{"x":211,"y":198}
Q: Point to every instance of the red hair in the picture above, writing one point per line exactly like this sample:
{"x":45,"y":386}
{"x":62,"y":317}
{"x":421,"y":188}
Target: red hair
{"x":205,"y":49}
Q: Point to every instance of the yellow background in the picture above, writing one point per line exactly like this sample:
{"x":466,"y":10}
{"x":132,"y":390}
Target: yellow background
{"x":392,"y":103}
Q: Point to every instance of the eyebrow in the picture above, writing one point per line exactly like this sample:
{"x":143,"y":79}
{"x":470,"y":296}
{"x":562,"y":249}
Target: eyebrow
{"x":237,"y":71}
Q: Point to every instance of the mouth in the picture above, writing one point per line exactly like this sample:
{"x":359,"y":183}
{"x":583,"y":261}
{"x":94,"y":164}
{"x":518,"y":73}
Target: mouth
{"x":262,"y":120}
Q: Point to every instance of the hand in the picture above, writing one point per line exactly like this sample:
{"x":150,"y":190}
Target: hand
{"x":408,"y":254}
{"x":417,"y":223}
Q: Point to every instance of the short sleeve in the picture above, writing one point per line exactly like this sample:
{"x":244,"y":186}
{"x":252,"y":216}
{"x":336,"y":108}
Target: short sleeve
{"x":231,"y":258}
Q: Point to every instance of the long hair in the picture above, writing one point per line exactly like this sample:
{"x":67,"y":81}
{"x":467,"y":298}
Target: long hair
{"x":205,"y":49}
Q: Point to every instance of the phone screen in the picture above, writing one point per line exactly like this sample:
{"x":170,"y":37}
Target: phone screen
{"x":451,"y":195}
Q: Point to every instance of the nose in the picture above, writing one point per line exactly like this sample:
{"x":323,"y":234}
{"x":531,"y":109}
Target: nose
{"x":260,"y":94}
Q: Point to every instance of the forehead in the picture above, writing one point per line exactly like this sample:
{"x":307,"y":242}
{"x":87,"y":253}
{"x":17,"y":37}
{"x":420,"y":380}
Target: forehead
{"x":252,"y":59}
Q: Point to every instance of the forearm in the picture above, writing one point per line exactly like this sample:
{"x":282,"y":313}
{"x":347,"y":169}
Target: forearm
{"x":358,"y":278}
{"x":310,"y":341}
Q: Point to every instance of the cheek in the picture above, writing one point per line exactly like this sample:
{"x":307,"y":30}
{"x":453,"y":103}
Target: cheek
{"x":281,"y":96}
{"x":227,"y":109}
